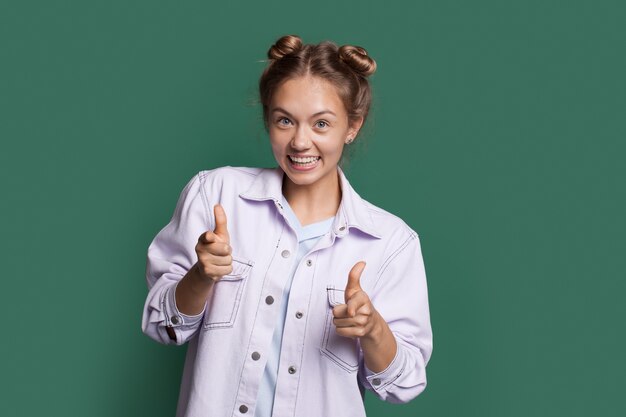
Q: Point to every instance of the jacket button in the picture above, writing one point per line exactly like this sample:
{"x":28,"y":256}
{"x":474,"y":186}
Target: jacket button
{"x":269,"y":299}
{"x":285,"y":253}
{"x":243,"y":409}
{"x":309,"y":262}
{"x":299,"y":314}
{"x":292,"y":370}
{"x":175,"y":319}
{"x":256,"y":356}
{"x":376,"y":381}
{"x":342,"y":228}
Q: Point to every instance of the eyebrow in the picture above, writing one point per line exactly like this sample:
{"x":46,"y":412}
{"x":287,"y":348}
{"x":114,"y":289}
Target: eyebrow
{"x":280,"y":109}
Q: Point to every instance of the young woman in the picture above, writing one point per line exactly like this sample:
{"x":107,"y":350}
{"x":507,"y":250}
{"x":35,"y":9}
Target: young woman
{"x":294,"y":293}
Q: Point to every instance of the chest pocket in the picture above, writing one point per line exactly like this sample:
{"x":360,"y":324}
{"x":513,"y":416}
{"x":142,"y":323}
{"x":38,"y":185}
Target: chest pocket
{"x":223,"y":304}
{"x":340,"y":349}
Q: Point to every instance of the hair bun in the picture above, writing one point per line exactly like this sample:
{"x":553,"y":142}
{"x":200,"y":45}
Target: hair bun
{"x":286,"y":45}
{"x":357,"y":59}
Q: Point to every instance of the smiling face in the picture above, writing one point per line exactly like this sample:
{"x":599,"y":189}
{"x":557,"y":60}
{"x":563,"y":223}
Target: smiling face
{"x":308,"y":127}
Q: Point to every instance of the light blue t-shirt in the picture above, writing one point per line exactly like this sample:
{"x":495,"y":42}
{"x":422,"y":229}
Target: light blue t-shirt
{"x":307,"y":237}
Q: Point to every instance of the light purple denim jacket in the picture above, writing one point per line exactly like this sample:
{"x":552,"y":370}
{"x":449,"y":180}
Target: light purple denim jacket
{"x":321,"y":373}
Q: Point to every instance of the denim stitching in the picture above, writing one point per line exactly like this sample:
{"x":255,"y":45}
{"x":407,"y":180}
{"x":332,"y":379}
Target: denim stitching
{"x":245,"y":272}
{"x":385,"y":264}
{"x":330,"y":289}
{"x":256,"y":314}
{"x":306,"y":322}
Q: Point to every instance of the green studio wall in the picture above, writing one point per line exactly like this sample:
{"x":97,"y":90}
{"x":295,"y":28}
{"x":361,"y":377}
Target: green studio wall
{"x":497,"y":133}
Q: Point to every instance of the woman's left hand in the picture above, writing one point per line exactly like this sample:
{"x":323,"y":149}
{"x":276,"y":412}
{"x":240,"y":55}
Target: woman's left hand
{"x":357,"y":317}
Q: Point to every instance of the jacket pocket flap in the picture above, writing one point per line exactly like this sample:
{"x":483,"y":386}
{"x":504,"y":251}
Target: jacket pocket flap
{"x":241,"y":269}
{"x":335,"y":296}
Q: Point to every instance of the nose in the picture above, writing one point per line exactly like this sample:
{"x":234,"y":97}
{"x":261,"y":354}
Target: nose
{"x":301,"y":139}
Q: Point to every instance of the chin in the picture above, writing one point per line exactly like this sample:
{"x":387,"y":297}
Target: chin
{"x":302,"y":179}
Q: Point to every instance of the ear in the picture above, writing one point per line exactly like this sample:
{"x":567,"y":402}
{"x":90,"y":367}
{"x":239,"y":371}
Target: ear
{"x":354,"y":127}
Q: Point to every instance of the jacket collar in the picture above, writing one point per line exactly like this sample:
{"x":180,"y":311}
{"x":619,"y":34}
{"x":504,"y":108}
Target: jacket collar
{"x":352,"y":211}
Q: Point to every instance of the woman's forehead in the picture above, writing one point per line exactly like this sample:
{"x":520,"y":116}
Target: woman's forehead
{"x":306,"y":96}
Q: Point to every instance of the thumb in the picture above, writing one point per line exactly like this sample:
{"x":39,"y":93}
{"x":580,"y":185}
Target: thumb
{"x":220,"y":223}
{"x":354,"y":277}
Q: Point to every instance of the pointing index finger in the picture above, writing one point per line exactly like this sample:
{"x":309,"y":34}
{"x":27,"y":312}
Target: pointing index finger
{"x":207,"y":237}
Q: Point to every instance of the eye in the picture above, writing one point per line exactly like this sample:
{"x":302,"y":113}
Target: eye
{"x":321,"y":124}
{"x":283,"y":121}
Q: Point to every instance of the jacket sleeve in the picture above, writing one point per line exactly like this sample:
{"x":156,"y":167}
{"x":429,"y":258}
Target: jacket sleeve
{"x":170,"y":255}
{"x":400,"y":296}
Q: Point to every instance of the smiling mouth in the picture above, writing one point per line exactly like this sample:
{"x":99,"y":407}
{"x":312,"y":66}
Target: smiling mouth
{"x":304,"y":161}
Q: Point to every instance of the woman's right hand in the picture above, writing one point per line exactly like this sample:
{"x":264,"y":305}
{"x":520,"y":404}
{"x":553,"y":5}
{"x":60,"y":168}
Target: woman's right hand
{"x":213,"y":249}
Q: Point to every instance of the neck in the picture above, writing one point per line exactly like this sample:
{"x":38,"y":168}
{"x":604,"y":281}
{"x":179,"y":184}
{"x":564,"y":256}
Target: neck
{"x":316,"y":201}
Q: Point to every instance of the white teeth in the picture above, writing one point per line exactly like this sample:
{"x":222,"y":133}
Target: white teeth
{"x":304,"y":160}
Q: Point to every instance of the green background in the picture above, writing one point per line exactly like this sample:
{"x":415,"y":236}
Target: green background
{"x":497,"y":133}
